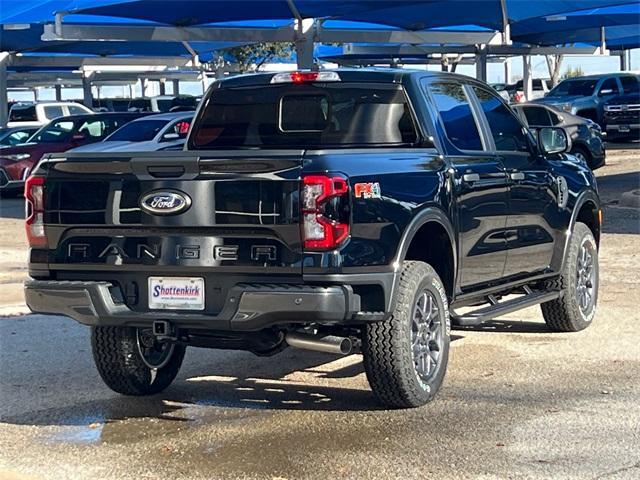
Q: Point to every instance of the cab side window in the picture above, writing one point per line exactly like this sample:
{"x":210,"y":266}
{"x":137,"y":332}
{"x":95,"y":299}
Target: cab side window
{"x":53,"y":111}
{"x":507,"y":131}
{"x":456,"y":114}
{"x":608,"y":87}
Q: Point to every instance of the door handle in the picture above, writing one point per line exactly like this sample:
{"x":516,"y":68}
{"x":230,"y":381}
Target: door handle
{"x":516,"y":176}
{"x":470,"y":177}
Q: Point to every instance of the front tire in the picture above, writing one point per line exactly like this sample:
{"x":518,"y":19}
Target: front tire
{"x":582,"y":154}
{"x":578,"y":285}
{"x":405,"y":357}
{"x":131,"y":362}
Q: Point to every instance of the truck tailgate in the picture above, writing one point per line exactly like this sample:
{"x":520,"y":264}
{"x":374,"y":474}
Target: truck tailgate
{"x":115,"y":218}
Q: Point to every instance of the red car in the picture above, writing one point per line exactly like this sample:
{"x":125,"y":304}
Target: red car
{"x":60,"y":135}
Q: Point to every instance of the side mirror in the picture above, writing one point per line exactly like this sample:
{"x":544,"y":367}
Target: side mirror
{"x":552,"y":140}
{"x":605,"y":91}
{"x":170,"y":136}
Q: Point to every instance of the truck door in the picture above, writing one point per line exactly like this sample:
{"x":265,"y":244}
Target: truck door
{"x":480,"y":189}
{"x":534,"y":223}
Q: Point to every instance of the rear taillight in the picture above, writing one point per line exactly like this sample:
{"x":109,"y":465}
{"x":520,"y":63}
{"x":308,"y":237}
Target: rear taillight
{"x":519,"y":97}
{"x":34,"y":195}
{"x":325,"y":212}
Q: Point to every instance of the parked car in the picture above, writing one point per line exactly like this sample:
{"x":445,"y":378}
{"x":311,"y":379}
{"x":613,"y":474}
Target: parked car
{"x":11,"y":136}
{"x":586,"y":96}
{"x":60,"y":135}
{"x":163,"y":103}
{"x":586,"y":136}
{"x":516,"y":90}
{"x":501,"y":88}
{"x":147,"y":134}
{"x":622,"y":112}
{"x":341,"y":211}
{"x":41,"y":113}
{"x":111,"y":104}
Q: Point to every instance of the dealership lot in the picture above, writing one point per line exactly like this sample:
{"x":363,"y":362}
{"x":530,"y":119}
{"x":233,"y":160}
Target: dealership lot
{"x":518,"y":401}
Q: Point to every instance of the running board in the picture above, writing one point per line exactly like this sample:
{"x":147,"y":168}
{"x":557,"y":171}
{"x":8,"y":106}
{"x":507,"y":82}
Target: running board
{"x":496,"y":309}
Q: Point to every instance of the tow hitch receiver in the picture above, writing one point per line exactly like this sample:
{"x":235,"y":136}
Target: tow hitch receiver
{"x":162,"y":330}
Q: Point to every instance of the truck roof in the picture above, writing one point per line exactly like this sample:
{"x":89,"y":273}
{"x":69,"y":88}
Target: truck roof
{"x":377,"y":75}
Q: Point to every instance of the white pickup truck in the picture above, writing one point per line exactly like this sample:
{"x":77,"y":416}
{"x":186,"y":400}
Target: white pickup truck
{"x":41,"y":113}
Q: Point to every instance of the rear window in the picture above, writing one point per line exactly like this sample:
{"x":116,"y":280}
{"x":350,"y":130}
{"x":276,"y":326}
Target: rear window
{"x":575,"y":87}
{"x":23,"y":113}
{"x":305,"y":116}
{"x":139,"y":131}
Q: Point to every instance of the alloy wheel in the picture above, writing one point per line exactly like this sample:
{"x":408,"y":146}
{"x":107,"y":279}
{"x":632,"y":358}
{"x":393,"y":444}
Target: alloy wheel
{"x":586,"y":278}
{"x":427,"y":336}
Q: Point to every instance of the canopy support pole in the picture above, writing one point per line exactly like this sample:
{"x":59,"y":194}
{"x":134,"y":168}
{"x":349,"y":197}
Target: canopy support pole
{"x":163,"y":90}
{"x":624,"y":61}
{"x":527,"y":80}
{"x":506,"y":28}
{"x":176,"y":87}
{"x":481,"y":63}
{"x":5,"y":58}
{"x":58,"y":89}
{"x":507,"y":71}
{"x":87,"y":96}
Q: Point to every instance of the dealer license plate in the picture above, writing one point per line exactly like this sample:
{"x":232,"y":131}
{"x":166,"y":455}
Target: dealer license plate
{"x":624,"y":128}
{"x":176,"y":293}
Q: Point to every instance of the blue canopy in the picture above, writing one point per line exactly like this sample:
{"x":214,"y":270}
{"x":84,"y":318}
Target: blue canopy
{"x":532,"y":29}
{"x":406,"y":14}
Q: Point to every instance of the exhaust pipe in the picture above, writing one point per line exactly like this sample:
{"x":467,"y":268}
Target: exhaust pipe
{"x":327,"y":344}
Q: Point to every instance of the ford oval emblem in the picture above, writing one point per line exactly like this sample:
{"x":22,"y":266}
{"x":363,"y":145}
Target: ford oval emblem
{"x":165,"y":202}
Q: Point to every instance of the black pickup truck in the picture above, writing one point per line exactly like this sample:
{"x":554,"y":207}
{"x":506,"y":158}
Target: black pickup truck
{"x":342,"y":211}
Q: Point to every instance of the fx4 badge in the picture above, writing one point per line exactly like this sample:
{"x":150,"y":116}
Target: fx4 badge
{"x":563,"y":191}
{"x":367,"y":190}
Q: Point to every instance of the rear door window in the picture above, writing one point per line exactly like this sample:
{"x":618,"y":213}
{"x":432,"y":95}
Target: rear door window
{"x":507,"y":131}
{"x":630,"y":85}
{"x":455,"y":111}
{"x":322,"y":115}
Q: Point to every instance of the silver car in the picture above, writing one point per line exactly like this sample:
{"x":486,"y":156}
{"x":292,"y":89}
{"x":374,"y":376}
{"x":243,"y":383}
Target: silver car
{"x":166,"y":131}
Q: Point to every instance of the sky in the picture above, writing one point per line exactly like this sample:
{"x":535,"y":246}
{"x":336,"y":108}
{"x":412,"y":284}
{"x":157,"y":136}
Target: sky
{"x":495,"y":74}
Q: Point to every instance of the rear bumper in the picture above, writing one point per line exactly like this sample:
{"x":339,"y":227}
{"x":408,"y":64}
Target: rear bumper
{"x":249,"y":307}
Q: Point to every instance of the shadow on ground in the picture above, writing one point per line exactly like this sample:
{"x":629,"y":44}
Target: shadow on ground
{"x":12,"y":208}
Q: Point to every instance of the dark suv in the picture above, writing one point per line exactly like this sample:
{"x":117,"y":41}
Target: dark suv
{"x":344,"y":211}
{"x":587,"y":96}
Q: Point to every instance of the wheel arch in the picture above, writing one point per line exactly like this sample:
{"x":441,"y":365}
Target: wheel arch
{"x":586,"y":210}
{"x":427,"y":225}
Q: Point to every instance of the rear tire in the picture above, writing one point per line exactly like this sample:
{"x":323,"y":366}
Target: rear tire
{"x":578,"y":285}
{"x":117,"y":353}
{"x":406,"y":357}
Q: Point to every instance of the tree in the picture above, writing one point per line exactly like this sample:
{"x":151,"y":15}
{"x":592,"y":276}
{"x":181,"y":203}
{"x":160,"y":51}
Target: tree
{"x":573,"y":72}
{"x":554,"y":63}
{"x":249,"y":58}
